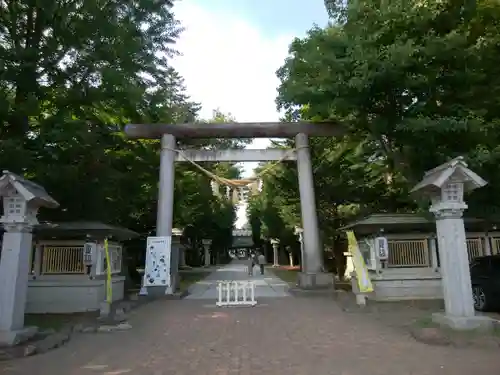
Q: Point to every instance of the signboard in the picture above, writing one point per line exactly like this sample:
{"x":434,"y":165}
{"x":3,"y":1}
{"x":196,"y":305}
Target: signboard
{"x":157,"y":272}
{"x":88,"y":253}
{"x":382,"y":248}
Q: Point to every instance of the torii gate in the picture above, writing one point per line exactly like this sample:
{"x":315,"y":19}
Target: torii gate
{"x":312,"y":275}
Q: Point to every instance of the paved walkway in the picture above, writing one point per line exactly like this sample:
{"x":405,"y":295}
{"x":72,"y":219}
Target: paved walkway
{"x":284,"y":336}
{"x":267,"y":285}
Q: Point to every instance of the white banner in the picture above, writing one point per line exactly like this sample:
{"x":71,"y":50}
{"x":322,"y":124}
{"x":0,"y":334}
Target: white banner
{"x":157,"y":271}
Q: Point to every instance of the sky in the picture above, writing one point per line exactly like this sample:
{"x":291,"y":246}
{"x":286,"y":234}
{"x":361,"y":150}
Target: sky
{"x":231,"y":50}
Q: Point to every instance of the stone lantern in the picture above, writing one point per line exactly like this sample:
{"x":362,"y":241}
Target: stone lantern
{"x":299,"y":232}
{"x":21,"y":201}
{"x":445,"y":186}
{"x":206,"y":246}
{"x":275,"y":244}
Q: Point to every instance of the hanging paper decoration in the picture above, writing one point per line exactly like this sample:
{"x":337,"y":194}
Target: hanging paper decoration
{"x":215,"y":188}
{"x":235,"y":196}
{"x":255,"y":183}
{"x":242,"y":194}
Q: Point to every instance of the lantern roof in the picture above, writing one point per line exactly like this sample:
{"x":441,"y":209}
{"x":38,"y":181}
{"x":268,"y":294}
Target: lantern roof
{"x":29,"y":190}
{"x":456,"y":171}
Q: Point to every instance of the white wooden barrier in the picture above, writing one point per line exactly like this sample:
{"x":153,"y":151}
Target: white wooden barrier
{"x":236,"y":293}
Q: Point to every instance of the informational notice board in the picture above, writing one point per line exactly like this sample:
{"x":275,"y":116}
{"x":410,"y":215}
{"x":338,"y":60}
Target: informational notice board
{"x":157,"y":272}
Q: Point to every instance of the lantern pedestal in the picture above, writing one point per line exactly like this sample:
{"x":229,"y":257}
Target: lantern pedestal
{"x":14,"y":270}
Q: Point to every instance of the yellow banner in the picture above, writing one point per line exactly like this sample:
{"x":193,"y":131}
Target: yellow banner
{"x":109,"y":288}
{"x":364,"y":282}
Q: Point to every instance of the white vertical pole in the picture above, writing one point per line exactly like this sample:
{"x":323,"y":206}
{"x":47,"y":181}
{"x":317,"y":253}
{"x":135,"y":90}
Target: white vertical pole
{"x":236,"y":287}
{"x":252,"y":291}
{"x":228,"y":287}
{"x":245,"y":287}
{"x":219,"y":290}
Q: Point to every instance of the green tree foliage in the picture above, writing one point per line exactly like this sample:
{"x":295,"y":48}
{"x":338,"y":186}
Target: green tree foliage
{"x":403,"y":74}
{"x":413,"y":83}
{"x":72,"y":74}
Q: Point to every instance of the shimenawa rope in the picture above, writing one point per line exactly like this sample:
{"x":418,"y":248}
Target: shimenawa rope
{"x":241,"y":183}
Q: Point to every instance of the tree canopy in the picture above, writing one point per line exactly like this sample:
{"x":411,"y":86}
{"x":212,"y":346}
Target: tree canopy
{"x":72,"y":74}
{"x":414,"y":83}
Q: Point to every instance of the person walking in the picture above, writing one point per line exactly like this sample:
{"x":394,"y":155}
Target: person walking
{"x":250,"y":264}
{"x":262,"y":262}
{"x":255,"y":257}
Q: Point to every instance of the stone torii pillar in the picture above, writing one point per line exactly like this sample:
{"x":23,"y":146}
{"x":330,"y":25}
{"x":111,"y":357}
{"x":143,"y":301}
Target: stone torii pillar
{"x":164,"y":215}
{"x":445,"y":186}
{"x":165,"y":210}
{"x":313,"y":251}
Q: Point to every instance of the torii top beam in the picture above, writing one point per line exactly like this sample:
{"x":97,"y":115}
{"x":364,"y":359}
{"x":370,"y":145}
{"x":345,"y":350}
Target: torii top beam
{"x":235,"y":130}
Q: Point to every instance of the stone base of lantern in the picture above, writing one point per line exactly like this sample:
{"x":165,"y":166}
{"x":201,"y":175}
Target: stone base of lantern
{"x":464,"y":323}
{"x":11,"y":338}
{"x":320,"y":280}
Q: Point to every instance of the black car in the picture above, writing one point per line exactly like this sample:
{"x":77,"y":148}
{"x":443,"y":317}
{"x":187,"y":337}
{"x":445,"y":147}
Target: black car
{"x":485,"y":278}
